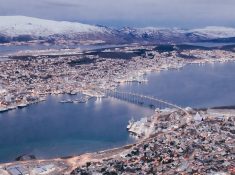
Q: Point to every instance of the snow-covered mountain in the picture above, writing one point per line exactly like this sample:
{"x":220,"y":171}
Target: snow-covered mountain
{"x":21,"y":28}
{"x":215,"y":32}
{"x":20,"y":25}
{"x":155,"y":34}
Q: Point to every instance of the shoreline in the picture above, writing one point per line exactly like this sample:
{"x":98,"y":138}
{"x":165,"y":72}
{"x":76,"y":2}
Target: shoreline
{"x":66,"y":165}
{"x":139,"y":78}
{"x":133,"y":132}
{"x":114,"y":85}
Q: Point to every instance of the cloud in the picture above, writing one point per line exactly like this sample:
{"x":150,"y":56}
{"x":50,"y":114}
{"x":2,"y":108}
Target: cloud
{"x":54,"y":3}
{"x":179,"y":13}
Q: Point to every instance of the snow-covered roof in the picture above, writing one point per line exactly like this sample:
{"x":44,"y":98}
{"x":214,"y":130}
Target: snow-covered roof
{"x":198,"y":117}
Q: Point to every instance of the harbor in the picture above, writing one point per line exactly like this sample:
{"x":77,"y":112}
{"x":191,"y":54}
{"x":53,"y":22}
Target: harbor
{"x":169,"y":141}
{"x":124,"y":87}
{"x":74,"y":128}
{"x":88,"y":118}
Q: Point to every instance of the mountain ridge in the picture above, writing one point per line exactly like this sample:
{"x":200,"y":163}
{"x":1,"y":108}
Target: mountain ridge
{"x":22,"y":28}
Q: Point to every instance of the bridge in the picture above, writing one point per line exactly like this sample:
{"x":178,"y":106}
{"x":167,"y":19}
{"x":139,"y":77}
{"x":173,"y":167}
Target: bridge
{"x":152,"y":102}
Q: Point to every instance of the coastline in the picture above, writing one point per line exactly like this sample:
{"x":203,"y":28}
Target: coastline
{"x":126,"y":78}
{"x":137,"y":77}
{"x":176,"y":121}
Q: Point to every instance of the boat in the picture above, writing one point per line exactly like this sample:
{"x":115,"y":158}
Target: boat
{"x":22,"y":105}
{"x":42,"y":99}
{"x":3,"y":109}
{"x":73,"y":93}
{"x":76,"y":101}
{"x":66,"y":101}
{"x":12,"y":107}
{"x":79,"y":101}
{"x":130,"y":123}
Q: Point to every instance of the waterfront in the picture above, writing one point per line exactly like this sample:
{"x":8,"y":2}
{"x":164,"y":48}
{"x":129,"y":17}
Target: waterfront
{"x":207,"y":85}
{"x":52,"y":129}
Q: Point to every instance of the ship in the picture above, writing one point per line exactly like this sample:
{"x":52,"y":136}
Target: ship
{"x":3,"y":109}
{"x":22,"y":105}
{"x":66,"y":101}
{"x":130,"y":123}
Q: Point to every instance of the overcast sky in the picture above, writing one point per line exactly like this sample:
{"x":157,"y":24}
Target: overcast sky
{"x":138,"y":13}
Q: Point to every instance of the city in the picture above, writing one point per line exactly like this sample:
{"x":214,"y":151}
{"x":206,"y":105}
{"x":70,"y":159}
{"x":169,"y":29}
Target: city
{"x":29,"y":79}
{"x":129,"y":87}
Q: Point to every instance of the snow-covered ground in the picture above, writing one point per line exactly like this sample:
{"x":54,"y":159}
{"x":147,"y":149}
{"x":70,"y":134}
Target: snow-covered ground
{"x":215,"y":32}
{"x":21,"y":25}
{"x":13,"y":26}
